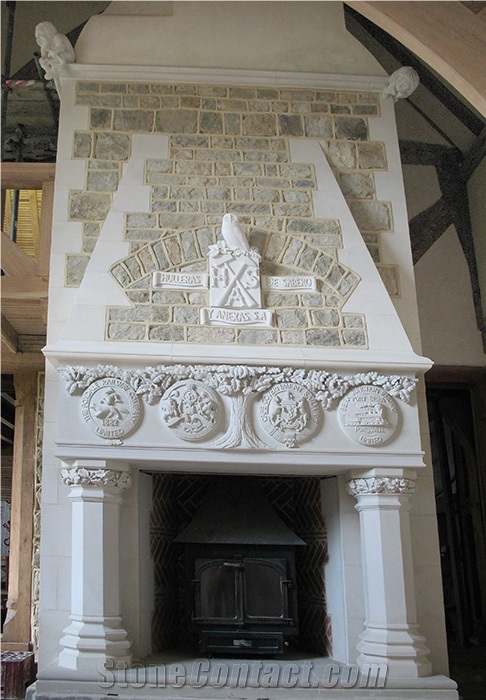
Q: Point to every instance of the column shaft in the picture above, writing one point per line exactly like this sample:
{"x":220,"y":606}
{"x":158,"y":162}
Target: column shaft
{"x":95,"y":633}
{"x":391,"y":631}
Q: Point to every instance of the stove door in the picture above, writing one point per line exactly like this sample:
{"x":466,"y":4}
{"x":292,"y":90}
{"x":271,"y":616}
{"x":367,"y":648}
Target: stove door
{"x":218,"y":594}
{"x":265,"y":591}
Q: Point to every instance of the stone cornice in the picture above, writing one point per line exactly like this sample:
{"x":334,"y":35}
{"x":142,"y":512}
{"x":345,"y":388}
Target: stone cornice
{"x":230,"y":76}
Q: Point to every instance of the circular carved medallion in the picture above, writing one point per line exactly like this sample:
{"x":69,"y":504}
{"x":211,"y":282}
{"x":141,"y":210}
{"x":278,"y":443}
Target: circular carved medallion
{"x":289,"y":413}
{"x":368,"y":415}
{"x":111,"y":408}
{"x":190,"y":408}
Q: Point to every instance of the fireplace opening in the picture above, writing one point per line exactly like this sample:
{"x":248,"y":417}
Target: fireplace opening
{"x":241,"y":588}
{"x":238,"y":565}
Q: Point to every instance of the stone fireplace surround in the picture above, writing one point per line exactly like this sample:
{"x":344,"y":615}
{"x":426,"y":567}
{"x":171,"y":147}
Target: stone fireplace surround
{"x":112,"y":482}
{"x":109,"y":472}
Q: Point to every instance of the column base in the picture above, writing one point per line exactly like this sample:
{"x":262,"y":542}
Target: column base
{"x":402,"y":650}
{"x":90,"y":643}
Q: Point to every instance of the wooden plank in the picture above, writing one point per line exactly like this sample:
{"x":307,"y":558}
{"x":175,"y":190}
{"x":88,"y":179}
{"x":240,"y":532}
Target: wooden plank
{"x":16,"y":288}
{"x":14,"y":260}
{"x":45,"y":229}
{"x":23,"y":361}
{"x":9,"y":335}
{"x":445,"y":35}
{"x":27,"y":176}
{"x":16,"y":630}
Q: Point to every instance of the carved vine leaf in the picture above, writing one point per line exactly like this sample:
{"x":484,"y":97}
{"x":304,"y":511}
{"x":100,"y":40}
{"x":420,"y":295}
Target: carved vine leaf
{"x":152,"y":382}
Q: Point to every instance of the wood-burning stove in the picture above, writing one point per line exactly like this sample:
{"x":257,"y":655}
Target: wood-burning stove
{"x":240,"y":570}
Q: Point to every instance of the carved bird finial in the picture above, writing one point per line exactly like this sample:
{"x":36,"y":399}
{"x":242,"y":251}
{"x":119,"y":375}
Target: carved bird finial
{"x":232,"y":233}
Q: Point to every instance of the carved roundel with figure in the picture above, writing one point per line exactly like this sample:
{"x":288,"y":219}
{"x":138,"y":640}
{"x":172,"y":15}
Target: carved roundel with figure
{"x":368,"y":415}
{"x":191,"y":409}
{"x":290,"y":413}
{"x":111,"y":408}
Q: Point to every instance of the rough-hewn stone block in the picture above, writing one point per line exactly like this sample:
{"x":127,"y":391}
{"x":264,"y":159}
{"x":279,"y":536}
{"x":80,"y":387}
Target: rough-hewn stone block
{"x":75,"y":269}
{"x":259,"y":124}
{"x":82,"y":145}
{"x":322,"y":337}
{"x":372,"y":216}
{"x":372,"y":155}
{"x":134,"y":120}
{"x":318,"y":125}
{"x":111,"y":146}
{"x":352,"y":128}
{"x":256,"y":336}
{"x":86,"y":206}
{"x":176,"y":121}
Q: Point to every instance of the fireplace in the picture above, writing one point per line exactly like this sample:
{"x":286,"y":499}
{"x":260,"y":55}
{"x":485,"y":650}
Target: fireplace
{"x":240,"y":571}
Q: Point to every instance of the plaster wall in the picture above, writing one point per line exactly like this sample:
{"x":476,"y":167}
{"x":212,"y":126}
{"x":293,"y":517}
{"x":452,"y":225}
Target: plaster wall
{"x":477,"y":203}
{"x":449,"y":332}
{"x":300,"y":36}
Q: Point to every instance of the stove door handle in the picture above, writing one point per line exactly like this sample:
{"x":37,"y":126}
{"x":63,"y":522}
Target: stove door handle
{"x":242,"y":643}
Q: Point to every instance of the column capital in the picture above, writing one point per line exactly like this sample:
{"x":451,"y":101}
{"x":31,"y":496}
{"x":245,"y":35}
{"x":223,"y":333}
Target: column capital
{"x":105,"y":478}
{"x":380,"y":485}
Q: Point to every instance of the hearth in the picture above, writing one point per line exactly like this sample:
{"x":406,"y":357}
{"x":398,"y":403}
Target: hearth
{"x":240,"y":571}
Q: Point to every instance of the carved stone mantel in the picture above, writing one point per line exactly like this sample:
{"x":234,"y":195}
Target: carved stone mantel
{"x":290,"y":402}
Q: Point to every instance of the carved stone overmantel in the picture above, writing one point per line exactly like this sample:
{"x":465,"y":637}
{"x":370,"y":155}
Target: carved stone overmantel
{"x":95,"y":633}
{"x":391,"y":631}
{"x":239,"y":406}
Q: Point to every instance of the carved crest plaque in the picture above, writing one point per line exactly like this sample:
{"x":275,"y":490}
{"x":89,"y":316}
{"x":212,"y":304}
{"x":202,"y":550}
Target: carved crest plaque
{"x":111,"y":408}
{"x":368,"y":415}
{"x":191,"y":409}
{"x":289,"y":413}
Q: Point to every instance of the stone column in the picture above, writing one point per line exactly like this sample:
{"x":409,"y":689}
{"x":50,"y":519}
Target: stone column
{"x":95,"y":633}
{"x":391,"y":632}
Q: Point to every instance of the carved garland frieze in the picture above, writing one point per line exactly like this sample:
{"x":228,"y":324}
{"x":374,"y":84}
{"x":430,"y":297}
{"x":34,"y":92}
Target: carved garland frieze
{"x":370,"y":486}
{"x":289,"y":401}
{"x":81,"y":476}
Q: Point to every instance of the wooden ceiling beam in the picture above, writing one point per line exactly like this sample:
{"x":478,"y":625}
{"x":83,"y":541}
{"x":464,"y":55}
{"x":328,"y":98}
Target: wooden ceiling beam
{"x":18,"y":288}
{"x":27,"y":176}
{"x":445,"y":35}
{"x":19,"y":361}
{"x":15,"y":261}
{"x":10,"y":338}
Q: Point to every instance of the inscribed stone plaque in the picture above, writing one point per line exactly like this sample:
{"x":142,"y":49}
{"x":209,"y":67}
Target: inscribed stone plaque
{"x":111,"y":408}
{"x":368,"y":415}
